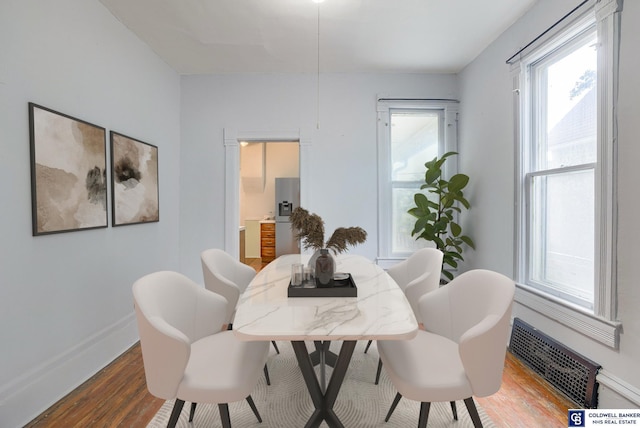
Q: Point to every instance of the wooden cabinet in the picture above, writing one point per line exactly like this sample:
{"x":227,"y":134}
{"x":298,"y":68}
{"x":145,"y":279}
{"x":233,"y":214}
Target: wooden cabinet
{"x":242,"y":245}
{"x":267,"y":242}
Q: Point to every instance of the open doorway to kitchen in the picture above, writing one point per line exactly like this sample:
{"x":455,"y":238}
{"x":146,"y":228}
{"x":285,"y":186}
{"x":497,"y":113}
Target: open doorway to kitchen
{"x":269,"y":191}
{"x":268,"y":143}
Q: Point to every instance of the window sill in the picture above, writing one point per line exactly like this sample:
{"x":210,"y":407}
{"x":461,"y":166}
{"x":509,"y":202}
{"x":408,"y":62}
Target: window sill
{"x":599,"y":329}
{"x":386,"y":262}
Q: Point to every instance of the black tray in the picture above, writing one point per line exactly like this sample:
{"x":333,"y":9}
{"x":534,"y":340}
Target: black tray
{"x":338,"y":288}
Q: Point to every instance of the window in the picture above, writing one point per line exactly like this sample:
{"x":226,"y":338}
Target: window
{"x":560,"y":176}
{"x":410,"y":133}
{"x":564,"y":87}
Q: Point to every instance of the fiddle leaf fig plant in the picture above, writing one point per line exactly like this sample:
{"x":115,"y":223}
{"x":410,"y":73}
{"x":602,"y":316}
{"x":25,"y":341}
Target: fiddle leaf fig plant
{"x":436,"y":215}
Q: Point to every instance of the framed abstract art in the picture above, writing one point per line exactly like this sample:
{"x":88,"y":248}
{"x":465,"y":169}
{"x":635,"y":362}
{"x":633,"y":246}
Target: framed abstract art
{"x":68,"y":172}
{"x":134,"y":181}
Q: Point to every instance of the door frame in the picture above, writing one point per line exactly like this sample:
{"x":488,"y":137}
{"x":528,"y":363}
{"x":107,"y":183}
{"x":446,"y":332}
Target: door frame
{"x":232,"y":139}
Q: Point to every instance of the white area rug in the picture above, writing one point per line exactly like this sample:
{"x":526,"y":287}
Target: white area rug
{"x":286,"y":403}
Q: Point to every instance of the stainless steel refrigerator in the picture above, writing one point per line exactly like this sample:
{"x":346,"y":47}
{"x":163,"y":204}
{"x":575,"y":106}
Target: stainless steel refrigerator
{"x":287,"y":199}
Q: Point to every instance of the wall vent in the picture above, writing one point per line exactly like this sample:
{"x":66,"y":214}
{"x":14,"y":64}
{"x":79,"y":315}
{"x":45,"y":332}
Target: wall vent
{"x":570,"y":372}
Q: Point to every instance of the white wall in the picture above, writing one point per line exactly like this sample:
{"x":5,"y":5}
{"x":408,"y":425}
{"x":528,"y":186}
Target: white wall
{"x":66,"y":308}
{"x":487,"y":155}
{"x":343,"y":177}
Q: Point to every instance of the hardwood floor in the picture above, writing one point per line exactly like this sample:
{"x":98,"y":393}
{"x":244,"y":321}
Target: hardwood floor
{"x":526,"y":400}
{"x":117,"y":396}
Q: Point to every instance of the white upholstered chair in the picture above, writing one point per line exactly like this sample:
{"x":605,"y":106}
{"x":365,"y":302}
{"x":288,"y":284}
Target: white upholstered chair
{"x":186,"y":354}
{"x":416,"y":276}
{"x":228,"y":277}
{"x":461,"y":352}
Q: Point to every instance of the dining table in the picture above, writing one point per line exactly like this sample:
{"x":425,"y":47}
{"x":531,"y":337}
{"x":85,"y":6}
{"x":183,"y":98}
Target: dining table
{"x":380,"y":311}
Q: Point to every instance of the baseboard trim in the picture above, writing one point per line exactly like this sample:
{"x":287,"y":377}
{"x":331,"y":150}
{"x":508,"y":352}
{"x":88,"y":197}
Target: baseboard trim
{"x":619,"y":386}
{"x":28,"y":395}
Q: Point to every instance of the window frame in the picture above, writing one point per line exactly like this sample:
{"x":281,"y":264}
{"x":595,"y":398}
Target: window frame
{"x":385,"y":106}
{"x":535,"y":147}
{"x":600,"y":323}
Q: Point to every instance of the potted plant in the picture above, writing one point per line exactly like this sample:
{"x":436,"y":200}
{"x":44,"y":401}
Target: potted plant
{"x":436,"y":215}
{"x":309,"y":228}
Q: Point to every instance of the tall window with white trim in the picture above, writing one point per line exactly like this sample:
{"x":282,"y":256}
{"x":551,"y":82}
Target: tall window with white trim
{"x":410,"y":133}
{"x":559,"y":177}
{"x":565,"y":110}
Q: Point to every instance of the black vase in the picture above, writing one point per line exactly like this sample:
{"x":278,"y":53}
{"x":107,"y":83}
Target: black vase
{"x":325,"y":268}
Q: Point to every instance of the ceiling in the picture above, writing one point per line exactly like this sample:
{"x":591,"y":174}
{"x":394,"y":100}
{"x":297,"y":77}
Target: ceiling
{"x":230,"y":36}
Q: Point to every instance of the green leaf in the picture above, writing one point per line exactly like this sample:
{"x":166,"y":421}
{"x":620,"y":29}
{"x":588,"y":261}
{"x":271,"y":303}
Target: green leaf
{"x":455,"y":228}
{"x":439,"y":244}
{"x":450,"y":261}
{"x":432,"y":175}
{"x":441,"y":225}
{"x":419,"y":225}
{"x":448,"y":274}
{"x":447,"y":201}
{"x":458,"y":182}
{"x":421,"y":200}
{"x":430,"y":163}
{"x":416,"y":212}
{"x":468,"y":241}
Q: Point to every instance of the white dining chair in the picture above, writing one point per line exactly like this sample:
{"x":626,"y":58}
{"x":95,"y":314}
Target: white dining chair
{"x":417,"y":275}
{"x":228,"y":277}
{"x":187,"y":356}
{"x":461,"y":352}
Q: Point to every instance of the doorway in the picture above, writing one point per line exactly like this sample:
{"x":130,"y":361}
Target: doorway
{"x":232,"y":143}
{"x":264,"y":167}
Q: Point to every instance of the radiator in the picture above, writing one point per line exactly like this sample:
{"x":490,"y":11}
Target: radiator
{"x":570,"y":372}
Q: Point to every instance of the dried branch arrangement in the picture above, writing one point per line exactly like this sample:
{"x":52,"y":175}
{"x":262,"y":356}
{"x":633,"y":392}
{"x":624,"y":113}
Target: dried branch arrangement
{"x":310,"y":229}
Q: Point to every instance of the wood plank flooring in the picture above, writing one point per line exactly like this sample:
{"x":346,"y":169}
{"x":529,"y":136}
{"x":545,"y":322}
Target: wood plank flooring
{"x":117,"y":396}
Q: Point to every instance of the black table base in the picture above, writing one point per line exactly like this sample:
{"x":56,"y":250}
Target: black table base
{"x":323,"y":400}
{"x":322,"y":349}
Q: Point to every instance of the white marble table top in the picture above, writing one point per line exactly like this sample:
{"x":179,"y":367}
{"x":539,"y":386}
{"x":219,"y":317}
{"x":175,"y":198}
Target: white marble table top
{"x":381,"y":310}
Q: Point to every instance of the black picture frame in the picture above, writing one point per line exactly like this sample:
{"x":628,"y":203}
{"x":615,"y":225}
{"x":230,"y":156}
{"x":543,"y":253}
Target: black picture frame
{"x":68,"y":172}
{"x":135,"y":190}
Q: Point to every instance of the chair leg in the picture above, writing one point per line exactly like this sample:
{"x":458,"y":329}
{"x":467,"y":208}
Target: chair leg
{"x":273,"y":342}
{"x":266,"y":375}
{"x":192,"y":411}
{"x":379,"y":370}
{"x":396,"y":400}
{"x":473,"y":412}
{"x":254,"y":408}
{"x":454,"y":410}
{"x":424,"y":414}
{"x":175,"y":413}
{"x":367,"y":348}
{"x":224,"y":415}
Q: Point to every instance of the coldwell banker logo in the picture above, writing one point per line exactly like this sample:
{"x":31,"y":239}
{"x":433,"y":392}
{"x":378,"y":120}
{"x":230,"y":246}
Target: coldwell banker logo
{"x":576,"y":418}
